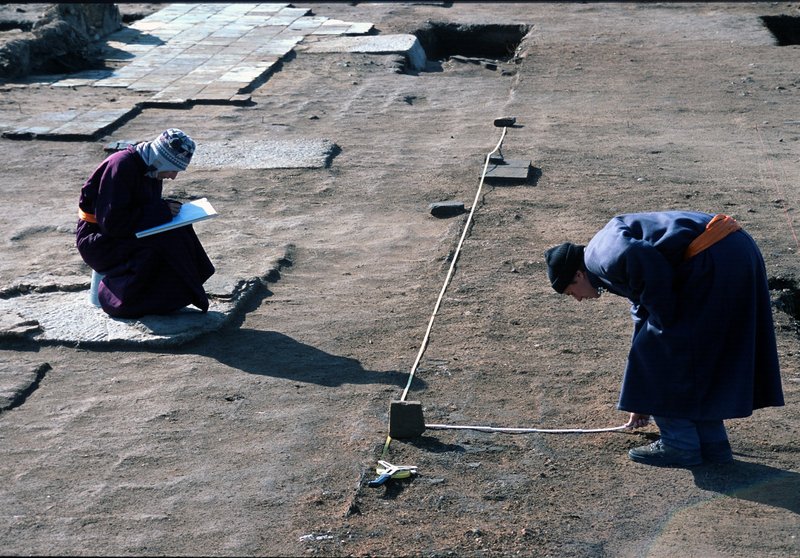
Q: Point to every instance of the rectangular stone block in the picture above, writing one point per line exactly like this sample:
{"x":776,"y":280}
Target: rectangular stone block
{"x":24,"y":131}
{"x":406,"y":419}
{"x":359,"y":29}
{"x":76,"y":128}
{"x":508,"y":171}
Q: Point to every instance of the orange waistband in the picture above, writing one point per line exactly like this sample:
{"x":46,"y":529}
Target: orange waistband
{"x":718,"y":228}
{"x":88,"y":217}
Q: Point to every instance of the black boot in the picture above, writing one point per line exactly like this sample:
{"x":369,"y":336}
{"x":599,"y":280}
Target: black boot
{"x":662,"y":455}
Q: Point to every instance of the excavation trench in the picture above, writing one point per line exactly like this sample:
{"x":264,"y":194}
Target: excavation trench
{"x":785,"y":28}
{"x":495,"y":41}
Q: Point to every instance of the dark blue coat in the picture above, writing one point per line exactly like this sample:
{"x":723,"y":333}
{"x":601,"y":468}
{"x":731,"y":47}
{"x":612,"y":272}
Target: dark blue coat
{"x":152,"y":275}
{"x":703,"y":344}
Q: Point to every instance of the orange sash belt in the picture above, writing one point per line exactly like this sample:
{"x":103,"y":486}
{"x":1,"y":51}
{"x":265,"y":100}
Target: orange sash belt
{"x":88,"y":217}
{"x":718,"y":228}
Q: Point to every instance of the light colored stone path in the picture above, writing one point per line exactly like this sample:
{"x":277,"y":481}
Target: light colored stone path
{"x":204,"y":53}
{"x":197,"y":52}
{"x":187,"y":53}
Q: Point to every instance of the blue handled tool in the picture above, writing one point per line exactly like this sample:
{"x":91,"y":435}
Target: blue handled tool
{"x":388,"y":471}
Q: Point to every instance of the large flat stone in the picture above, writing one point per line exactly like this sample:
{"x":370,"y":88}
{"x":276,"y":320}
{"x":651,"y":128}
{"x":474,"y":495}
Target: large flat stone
{"x":407,"y":45}
{"x":67,"y":317}
{"x":283,"y":154}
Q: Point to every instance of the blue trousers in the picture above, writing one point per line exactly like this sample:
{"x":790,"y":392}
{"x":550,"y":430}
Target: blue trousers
{"x":684,"y":434}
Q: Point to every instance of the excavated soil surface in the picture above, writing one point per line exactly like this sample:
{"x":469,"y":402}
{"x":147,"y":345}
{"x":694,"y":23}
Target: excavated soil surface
{"x":259,"y":439}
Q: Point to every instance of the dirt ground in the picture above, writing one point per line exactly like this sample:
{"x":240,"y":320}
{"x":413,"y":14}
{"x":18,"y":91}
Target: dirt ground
{"x":260,"y":439}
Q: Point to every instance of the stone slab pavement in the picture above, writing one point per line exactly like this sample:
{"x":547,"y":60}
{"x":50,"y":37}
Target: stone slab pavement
{"x":202,"y":53}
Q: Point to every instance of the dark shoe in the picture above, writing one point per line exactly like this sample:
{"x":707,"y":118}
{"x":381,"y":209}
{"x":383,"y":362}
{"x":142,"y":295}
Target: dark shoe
{"x":661,"y":455}
{"x":717,"y":452}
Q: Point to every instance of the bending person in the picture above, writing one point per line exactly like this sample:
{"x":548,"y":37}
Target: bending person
{"x":156,"y":274}
{"x":703,"y":347}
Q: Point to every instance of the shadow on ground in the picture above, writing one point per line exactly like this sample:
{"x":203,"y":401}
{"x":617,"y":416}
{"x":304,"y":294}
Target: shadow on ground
{"x":269,"y":353}
{"x":753,"y":482}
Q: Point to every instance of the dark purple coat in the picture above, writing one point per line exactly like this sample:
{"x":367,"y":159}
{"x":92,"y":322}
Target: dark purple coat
{"x":156,"y":274}
{"x":703,"y":344}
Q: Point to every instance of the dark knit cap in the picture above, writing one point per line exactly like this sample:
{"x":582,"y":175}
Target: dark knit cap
{"x":563,"y":261}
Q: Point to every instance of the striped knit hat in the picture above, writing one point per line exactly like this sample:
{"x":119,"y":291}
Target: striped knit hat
{"x":175,"y":148}
{"x":169,"y":152}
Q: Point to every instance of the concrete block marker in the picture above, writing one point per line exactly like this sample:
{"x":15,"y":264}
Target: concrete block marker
{"x":407,"y":45}
{"x":446,"y":208}
{"x":284,"y":154}
{"x":406,"y":419}
{"x":508,"y":171}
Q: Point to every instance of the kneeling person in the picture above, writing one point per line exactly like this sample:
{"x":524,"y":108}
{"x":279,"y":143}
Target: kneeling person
{"x":155,"y":274}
